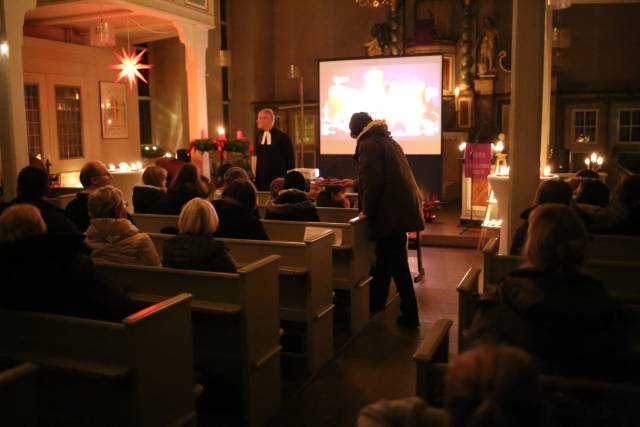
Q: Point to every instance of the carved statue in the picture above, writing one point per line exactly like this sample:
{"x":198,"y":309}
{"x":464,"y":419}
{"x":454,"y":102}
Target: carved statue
{"x":381,"y":41}
{"x":488,"y":41}
{"x":424,"y":30}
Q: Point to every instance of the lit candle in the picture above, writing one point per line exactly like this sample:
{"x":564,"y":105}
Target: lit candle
{"x":499,"y":147}
{"x":600,"y":161}
{"x":239,"y":134}
{"x":547,"y":171}
{"x":168,"y":154}
{"x":587,"y":161}
{"x":221,"y":131}
{"x":462,"y":146}
{"x":123,"y":166}
{"x":594,"y":157}
{"x":112,"y":167}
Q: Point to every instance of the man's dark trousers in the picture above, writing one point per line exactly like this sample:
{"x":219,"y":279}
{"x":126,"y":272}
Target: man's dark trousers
{"x":392,"y":261}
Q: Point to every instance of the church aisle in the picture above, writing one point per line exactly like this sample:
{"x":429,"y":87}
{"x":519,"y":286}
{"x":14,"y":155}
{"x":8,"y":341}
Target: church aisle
{"x":377,"y":364}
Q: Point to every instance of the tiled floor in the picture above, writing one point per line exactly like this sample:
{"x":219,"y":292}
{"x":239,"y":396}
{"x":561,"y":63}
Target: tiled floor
{"x":377,"y":364}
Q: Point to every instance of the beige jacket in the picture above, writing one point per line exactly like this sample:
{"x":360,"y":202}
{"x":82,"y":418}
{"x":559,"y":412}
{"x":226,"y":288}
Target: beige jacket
{"x":118,"y":240}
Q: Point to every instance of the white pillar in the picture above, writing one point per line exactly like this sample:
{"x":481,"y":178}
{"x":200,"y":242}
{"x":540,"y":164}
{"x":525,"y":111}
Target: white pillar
{"x":526,"y":105}
{"x":13,"y":127}
{"x":545,"y":136}
{"x":195,"y":39}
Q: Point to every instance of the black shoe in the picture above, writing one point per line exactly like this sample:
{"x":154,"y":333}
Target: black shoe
{"x":407,"y":323}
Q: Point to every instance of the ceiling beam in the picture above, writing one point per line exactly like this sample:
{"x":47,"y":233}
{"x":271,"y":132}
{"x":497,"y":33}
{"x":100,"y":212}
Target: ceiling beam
{"x":75,"y":19}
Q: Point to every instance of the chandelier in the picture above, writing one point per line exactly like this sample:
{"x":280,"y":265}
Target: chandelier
{"x":374,"y":3}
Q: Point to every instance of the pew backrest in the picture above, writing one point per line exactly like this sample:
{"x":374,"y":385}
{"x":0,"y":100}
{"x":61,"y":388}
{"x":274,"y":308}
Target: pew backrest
{"x":340,"y":215}
{"x":18,"y":395}
{"x":149,"y":354}
{"x":62,"y":200}
{"x":154,"y":223}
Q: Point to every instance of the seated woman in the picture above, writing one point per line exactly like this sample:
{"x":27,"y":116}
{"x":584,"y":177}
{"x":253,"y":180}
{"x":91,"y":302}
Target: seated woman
{"x":111,"y":236}
{"x":274,"y":190}
{"x":627,"y":207}
{"x":292,"y":203}
{"x":186,"y":186}
{"x":485,"y":386}
{"x":236,"y":212}
{"x":149,"y":197}
{"x":194,"y":247}
{"x":560,"y":315}
{"x":549,"y":191}
{"x":333,"y":196}
{"x":51,"y":273}
{"x":592,"y":201}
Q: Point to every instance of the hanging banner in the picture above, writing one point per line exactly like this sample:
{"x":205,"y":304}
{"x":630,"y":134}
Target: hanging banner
{"x":477,"y":160}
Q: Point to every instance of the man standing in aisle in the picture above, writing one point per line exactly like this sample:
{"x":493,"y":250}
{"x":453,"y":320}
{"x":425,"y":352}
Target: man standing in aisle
{"x":390,"y":200}
{"x":273,"y":149}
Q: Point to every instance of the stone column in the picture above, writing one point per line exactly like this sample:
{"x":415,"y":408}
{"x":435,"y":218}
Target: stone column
{"x":13,"y":127}
{"x":196,"y":39}
{"x":525,"y":117}
{"x":545,"y":137}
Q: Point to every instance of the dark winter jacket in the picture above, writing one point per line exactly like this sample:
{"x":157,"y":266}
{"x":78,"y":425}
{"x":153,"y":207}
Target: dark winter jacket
{"x":148,"y":199}
{"x":52,"y":274}
{"x":236,"y":222}
{"x":175,"y":199}
{"x":566,"y":319}
{"x":292,"y":205}
{"x":78,"y":211}
{"x":197,"y":253}
{"x":58,"y":222}
{"x":388,"y":191}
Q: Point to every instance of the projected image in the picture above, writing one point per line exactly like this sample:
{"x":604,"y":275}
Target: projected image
{"x":406,"y":92}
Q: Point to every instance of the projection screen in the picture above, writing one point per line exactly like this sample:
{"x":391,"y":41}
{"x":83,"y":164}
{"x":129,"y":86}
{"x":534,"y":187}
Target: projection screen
{"x":404,"y":91}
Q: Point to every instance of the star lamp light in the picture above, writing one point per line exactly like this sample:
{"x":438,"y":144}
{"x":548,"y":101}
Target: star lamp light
{"x":130,"y":66}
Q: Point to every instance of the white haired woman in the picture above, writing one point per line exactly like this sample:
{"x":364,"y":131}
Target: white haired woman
{"x":111,"y":236}
{"x":194,"y":247}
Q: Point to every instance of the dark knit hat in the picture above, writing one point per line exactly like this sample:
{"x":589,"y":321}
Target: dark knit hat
{"x":294,"y":179}
{"x":358,"y":122}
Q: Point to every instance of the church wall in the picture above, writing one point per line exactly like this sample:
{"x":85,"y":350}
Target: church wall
{"x":48,"y":62}
{"x":251,"y":71}
{"x":603,"y":56}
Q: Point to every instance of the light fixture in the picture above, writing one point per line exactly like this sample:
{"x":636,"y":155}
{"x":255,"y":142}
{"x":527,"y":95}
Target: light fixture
{"x":4,"y":49}
{"x":102,"y":35}
{"x":374,"y":3}
{"x":558,"y":4}
{"x":130,"y":65}
{"x":221,"y":131}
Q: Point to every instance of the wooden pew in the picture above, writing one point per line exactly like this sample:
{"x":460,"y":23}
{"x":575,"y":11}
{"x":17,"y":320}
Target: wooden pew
{"x":351,"y":257}
{"x":614,"y":248}
{"x":62,"y":200}
{"x":615,"y":275}
{"x":18,"y":403}
{"x":432,"y":363}
{"x":342,"y":215}
{"x":304,"y":285}
{"x":152,"y":223}
{"x":137,"y":372}
{"x":235,"y":324}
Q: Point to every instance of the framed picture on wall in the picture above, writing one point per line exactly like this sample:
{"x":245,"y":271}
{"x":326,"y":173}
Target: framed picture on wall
{"x":200,"y":4}
{"x":113,"y":110}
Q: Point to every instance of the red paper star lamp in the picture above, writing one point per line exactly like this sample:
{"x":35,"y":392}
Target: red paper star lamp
{"x":129,"y":66}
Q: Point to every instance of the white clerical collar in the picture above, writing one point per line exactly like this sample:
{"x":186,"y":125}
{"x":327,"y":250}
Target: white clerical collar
{"x":266,"y":138}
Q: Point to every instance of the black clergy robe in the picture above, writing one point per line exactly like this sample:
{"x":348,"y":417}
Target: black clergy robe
{"x":273,"y":160}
